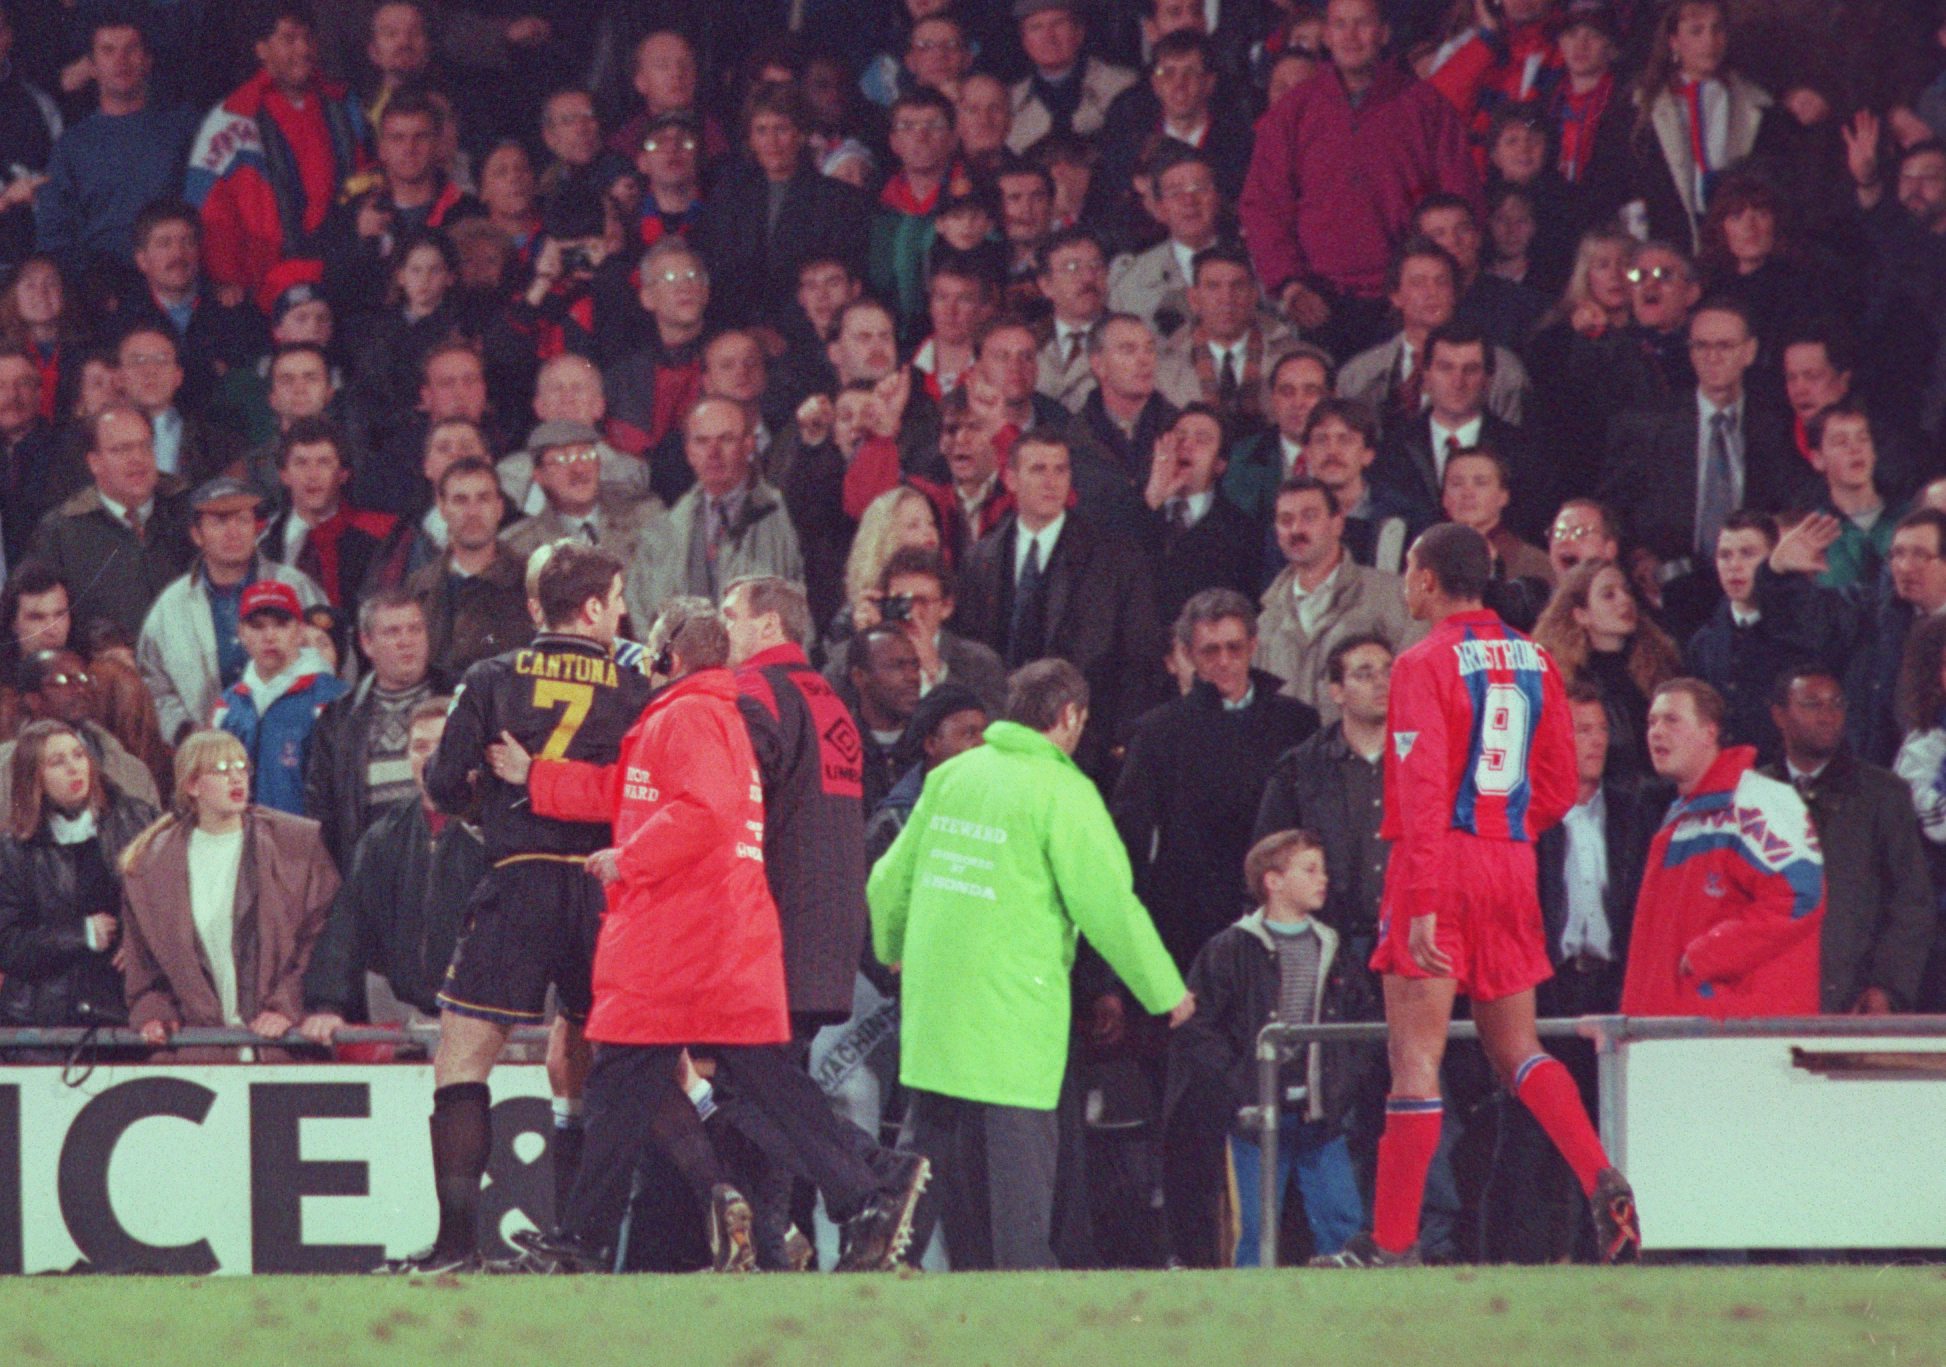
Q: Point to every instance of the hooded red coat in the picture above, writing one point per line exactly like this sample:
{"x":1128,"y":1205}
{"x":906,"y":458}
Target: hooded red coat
{"x":690,"y":951}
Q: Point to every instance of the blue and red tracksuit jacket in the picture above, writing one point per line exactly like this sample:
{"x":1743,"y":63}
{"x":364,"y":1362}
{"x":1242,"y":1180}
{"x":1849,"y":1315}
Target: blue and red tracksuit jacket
{"x":279,"y":739}
{"x":1732,"y":902}
{"x":1481,"y":747}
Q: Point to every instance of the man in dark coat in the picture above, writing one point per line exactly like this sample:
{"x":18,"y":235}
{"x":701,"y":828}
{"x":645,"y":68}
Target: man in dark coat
{"x":814,"y":821}
{"x":1048,"y":582}
{"x":773,"y":210}
{"x":1195,"y":770}
{"x":1198,"y":539}
{"x":118,"y":541}
{"x":1879,"y":916}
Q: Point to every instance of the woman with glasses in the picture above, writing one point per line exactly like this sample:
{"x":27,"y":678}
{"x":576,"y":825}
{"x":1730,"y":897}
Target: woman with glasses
{"x":222,"y":901}
{"x":60,"y":892}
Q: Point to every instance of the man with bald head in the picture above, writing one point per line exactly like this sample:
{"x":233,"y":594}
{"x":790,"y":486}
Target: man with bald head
{"x":730,"y":524}
{"x":570,"y":389}
{"x":734,"y":369}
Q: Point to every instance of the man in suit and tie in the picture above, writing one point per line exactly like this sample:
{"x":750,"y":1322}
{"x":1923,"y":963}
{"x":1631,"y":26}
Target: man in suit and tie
{"x":1423,"y":287}
{"x":1460,"y":369}
{"x":1154,"y":285}
{"x":1048,"y":581}
{"x":1199,"y":539}
{"x":1676,"y":470}
{"x":1073,"y":277}
{"x":567,"y":469}
{"x":1589,"y":867}
{"x":1221,"y":355}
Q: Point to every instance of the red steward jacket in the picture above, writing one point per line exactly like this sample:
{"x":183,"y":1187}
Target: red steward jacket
{"x":1735,"y":885}
{"x":690,"y":951}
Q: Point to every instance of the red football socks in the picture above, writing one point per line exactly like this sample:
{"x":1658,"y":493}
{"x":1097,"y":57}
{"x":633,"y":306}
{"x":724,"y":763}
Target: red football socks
{"x":1405,"y":1151}
{"x":1546,"y":1088}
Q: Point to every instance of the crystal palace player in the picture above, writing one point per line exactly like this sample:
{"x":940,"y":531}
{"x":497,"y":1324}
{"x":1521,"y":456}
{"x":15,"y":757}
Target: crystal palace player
{"x":533,"y":919}
{"x":1481,"y":761}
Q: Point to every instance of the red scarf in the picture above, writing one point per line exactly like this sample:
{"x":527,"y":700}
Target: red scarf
{"x":1579,"y":116}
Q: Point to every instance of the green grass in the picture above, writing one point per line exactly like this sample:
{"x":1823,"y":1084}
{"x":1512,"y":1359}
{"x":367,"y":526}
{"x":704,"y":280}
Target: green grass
{"x":1440,"y":1318}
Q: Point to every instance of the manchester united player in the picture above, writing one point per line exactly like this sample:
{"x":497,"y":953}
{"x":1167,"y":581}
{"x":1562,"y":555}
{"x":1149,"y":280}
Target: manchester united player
{"x":533,"y":919}
{"x":1481,"y":762}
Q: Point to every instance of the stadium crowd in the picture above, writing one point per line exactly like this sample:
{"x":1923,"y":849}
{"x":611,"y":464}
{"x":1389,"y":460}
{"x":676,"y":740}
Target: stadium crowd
{"x":925,"y":340}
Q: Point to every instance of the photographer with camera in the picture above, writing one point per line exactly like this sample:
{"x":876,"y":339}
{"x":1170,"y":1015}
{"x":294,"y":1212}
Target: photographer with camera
{"x":580,"y":289}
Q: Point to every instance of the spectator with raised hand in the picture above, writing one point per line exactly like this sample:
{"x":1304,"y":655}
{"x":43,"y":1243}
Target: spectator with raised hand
{"x":272,"y":158}
{"x":1197,"y":539}
{"x":109,"y":166}
{"x":189,"y":959}
{"x":60,"y":881}
{"x":1335,"y":175}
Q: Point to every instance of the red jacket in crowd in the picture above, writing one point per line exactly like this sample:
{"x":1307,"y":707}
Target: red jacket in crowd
{"x":1732,"y":902}
{"x":690,"y":950}
{"x":264,"y":173}
{"x":1331,"y":188}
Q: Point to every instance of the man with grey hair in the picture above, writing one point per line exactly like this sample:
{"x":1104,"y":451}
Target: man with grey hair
{"x":360,"y":760}
{"x":732,"y":524}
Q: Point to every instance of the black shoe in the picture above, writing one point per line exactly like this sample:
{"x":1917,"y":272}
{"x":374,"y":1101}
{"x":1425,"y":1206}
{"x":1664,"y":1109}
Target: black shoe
{"x":1618,"y":1228}
{"x":731,"y":1246}
{"x":876,"y":1238}
{"x":430,"y":1262}
{"x":550,"y":1255}
{"x":1361,"y":1250}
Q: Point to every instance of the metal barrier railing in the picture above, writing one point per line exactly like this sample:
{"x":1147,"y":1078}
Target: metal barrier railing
{"x":1278,"y":1043}
{"x":195,"y":1037}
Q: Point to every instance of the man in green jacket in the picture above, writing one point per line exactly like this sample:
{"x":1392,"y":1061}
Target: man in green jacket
{"x":1009,"y":856}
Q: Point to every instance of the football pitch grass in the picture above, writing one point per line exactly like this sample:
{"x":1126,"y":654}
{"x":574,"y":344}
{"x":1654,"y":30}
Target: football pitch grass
{"x":1450,"y":1317}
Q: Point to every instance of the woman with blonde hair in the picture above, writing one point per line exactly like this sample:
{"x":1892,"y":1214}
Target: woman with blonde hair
{"x":60,"y":892}
{"x":1573,"y":351}
{"x":222,"y":901}
{"x":897,"y":518}
{"x":1596,"y":630}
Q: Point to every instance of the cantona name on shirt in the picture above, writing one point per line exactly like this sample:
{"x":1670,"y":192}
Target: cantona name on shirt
{"x":567,"y":665}
{"x":1476,"y":657}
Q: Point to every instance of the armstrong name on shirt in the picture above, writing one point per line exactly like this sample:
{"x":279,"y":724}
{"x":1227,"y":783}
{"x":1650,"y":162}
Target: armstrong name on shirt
{"x":1478,"y":657}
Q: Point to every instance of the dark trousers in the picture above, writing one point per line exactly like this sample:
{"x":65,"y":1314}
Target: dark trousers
{"x":995,"y":1168}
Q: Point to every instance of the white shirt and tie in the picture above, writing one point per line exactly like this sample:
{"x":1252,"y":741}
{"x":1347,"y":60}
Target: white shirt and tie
{"x":1042,"y":541}
{"x":1587,"y":931}
{"x":1447,"y":440}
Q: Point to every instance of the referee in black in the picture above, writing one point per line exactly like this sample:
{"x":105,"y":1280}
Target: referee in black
{"x":533,"y":920}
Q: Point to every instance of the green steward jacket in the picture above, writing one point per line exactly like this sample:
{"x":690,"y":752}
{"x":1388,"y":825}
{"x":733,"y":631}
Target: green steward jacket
{"x":1009,"y":856}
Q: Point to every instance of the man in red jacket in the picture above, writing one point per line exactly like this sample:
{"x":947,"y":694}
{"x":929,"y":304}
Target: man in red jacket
{"x":1338,"y":166}
{"x":692,"y":954}
{"x":270,"y":160}
{"x":1481,"y":762}
{"x":1728,"y":919}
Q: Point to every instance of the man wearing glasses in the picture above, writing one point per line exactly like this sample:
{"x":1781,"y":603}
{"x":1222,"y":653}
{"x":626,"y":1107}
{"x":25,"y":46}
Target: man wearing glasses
{"x":567,"y":470}
{"x":1677,"y":469}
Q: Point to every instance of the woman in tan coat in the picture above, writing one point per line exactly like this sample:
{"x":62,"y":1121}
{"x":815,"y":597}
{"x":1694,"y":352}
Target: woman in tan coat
{"x":222,"y":901}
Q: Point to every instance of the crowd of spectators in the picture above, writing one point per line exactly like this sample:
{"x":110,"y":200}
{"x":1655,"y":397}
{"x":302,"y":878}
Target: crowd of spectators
{"x":1144,"y":334}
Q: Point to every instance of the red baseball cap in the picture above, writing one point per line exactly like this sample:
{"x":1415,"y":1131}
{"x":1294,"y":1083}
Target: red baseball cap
{"x":267,"y":595}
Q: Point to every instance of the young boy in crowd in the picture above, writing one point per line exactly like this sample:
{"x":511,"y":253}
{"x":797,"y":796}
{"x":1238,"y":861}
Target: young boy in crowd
{"x":274,"y":706}
{"x":1280,"y":963}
